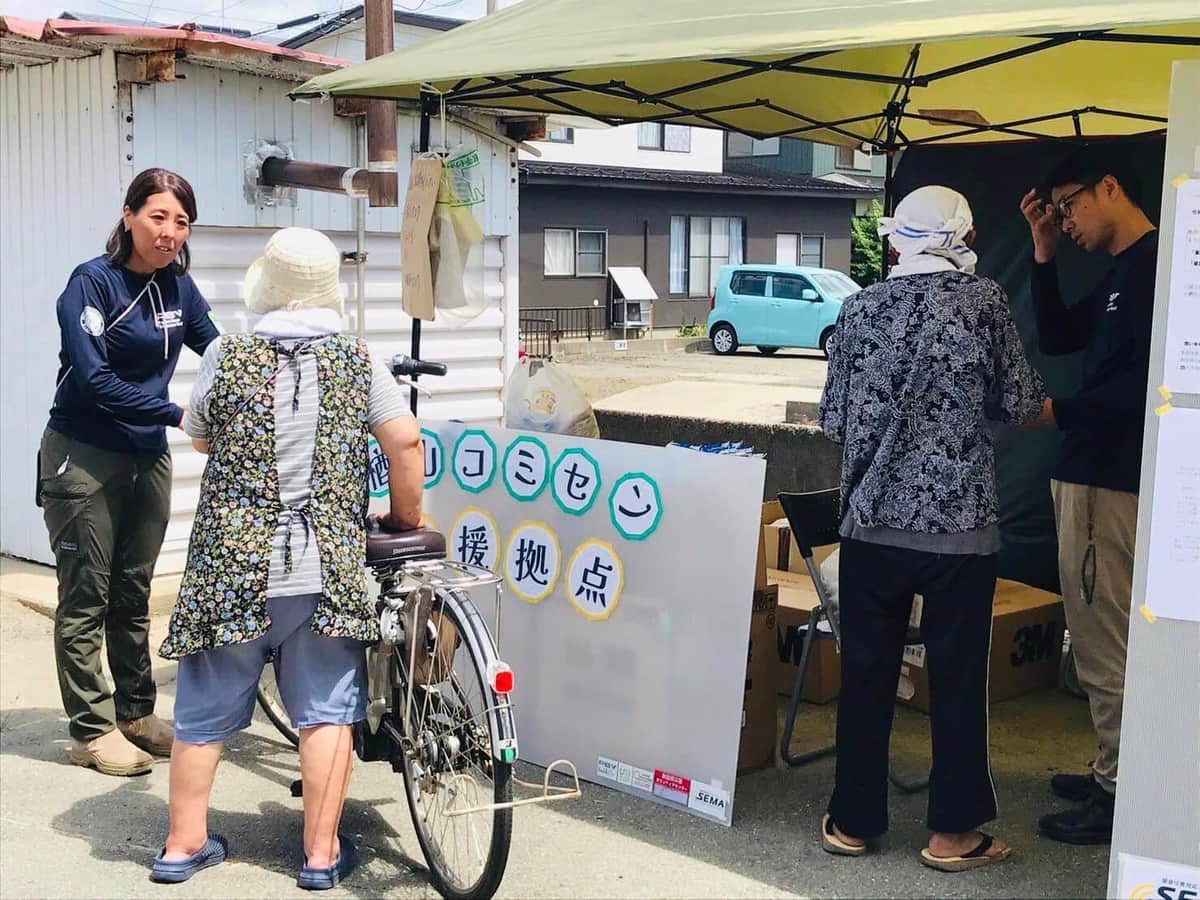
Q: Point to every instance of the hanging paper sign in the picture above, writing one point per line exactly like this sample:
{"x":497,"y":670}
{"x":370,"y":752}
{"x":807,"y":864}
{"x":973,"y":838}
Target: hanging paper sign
{"x":416,"y":297}
{"x":635,"y":505}
{"x":526,"y":468}
{"x":474,"y":461}
{"x":475,"y":539}
{"x":531,"y":562}
{"x":575,"y":481}
{"x":595,"y":580}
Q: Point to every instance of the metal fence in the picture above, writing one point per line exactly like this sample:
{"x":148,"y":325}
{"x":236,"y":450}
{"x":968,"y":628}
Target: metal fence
{"x":537,"y":336}
{"x":570,"y":321}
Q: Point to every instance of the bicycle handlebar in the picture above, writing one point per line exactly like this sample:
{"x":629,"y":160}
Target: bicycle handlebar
{"x":404,"y":366}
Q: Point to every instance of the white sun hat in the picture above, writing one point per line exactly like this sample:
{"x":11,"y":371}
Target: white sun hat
{"x":298,"y":270}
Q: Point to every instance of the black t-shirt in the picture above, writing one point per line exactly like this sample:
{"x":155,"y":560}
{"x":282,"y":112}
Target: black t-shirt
{"x":1102,"y":424}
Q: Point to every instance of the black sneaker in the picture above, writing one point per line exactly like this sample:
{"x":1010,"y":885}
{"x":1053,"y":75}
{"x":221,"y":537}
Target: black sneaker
{"x":1090,"y":823}
{"x":1076,"y":788}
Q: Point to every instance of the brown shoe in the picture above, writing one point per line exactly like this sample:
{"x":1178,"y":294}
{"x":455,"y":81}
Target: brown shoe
{"x":150,"y":733}
{"x":111,"y":754}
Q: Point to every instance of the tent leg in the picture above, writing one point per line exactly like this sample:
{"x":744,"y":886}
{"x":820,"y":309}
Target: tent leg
{"x":422,"y":147}
{"x":888,"y":201}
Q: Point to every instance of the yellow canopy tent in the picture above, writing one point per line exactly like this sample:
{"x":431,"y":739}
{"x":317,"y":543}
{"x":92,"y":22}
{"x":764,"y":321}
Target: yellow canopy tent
{"x":882,"y":72}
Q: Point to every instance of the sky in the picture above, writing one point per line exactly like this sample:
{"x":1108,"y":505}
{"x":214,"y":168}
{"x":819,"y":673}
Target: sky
{"x":259,"y":16}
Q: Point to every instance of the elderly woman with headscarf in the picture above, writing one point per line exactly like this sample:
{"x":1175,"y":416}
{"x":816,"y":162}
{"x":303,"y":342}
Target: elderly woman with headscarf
{"x":277,"y":553}
{"x":922,"y":367}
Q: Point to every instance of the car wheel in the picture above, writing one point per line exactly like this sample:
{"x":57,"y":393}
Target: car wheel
{"x":724,"y":339}
{"x":768,"y":351}
{"x":825,"y":337}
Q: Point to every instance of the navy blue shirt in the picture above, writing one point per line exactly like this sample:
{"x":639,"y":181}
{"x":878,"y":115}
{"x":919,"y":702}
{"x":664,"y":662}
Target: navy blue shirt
{"x":121,"y":339}
{"x":1102,"y":424}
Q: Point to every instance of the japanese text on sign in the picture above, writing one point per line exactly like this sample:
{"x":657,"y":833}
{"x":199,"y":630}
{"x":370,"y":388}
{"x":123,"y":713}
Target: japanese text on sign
{"x":595,"y":580}
{"x":474,"y":461}
{"x":531,"y":562}
{"x":435,"y":457}
{"x":635,"y":505}
{"x":474,"y":539}
{"x":575,"y":481}
{"x":526,"y":468}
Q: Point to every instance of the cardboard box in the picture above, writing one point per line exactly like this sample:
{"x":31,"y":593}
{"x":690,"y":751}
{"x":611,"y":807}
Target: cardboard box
{"x":777,"y":549}
{"x":797,"y":599}
{"x":1027,"y":639}
{"x":756,"y":750}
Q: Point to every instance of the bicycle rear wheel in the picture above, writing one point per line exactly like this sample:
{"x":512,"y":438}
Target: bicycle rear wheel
{"x":448,"y":763}
{"x":272,"y":704}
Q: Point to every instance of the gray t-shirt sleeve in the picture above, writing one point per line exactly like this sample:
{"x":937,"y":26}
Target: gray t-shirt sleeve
{"x":387,"y":400}
{"x":196,"y":423}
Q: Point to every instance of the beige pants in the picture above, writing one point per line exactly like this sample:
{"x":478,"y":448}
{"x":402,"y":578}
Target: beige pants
{"x":1096,"y":590}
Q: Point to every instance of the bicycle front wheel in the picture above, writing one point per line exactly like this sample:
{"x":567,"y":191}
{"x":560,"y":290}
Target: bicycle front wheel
{"x":272,"y":704}
{"x":450,"y":775}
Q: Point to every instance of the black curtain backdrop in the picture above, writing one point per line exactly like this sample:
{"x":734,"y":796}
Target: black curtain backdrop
{"x":993,"y":178}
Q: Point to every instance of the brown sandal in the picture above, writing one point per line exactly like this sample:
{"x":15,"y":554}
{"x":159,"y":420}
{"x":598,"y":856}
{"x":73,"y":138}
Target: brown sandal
{"x":972,"y":860}
{"x":831,"y":843}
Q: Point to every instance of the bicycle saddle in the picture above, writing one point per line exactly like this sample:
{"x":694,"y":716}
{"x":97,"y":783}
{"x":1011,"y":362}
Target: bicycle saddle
{"x":403,"y":546}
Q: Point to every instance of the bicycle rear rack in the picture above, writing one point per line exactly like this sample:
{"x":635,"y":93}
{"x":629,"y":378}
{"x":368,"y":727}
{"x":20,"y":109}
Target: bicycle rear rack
{"x":550,"y":793}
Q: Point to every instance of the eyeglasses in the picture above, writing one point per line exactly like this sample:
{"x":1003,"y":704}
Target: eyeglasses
{"x":1063,"y":208}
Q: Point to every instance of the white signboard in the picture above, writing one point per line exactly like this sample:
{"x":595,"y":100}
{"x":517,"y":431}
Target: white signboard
{"x":1182,"y":370}
{"x":629,"y":576}
{"x":1173,"y":567}
{"x":1140,"y":878}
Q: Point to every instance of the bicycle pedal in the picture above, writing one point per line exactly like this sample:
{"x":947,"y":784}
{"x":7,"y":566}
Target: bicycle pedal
{"x":297,"y":788}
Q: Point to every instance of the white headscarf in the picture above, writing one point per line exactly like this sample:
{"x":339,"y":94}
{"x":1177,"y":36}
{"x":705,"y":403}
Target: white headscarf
{"x":928,"y":230}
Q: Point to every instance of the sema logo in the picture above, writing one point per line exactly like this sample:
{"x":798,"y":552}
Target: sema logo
{"x":1167,"y":889}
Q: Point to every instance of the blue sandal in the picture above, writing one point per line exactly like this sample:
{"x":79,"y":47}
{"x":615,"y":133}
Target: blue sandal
{"x":323,"y":879}
{"x":214,"y":851}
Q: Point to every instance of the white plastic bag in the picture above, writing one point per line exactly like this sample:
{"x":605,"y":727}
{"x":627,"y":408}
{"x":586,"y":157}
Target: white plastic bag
{"x":456,"y":241}
{"x":548,"y":401}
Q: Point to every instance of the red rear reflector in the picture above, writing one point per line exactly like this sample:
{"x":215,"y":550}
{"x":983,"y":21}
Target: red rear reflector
{"x":500,"y":676}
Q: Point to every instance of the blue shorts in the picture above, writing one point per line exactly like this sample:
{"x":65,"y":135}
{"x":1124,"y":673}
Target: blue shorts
{"x":322,"y":680}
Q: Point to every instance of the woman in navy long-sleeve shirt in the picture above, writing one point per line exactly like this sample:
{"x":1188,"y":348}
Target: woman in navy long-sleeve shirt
{"x":104,"y":474}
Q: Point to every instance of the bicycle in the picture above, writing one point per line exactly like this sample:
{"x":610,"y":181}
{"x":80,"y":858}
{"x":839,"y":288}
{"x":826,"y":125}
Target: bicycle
{"x":439,"y":709}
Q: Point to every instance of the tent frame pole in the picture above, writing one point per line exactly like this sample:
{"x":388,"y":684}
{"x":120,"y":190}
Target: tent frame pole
{"x":428,"y":103}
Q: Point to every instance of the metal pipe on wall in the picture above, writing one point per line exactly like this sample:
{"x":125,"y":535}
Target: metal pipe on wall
{"x":348,"y":180}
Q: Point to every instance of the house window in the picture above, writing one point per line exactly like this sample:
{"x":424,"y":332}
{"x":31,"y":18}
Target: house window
{"x":561,"y":136}
{"x":581,"y":253}
{"x":591,"y":253}
{"x":700,"y":245}
{"x":800,"y":250}
{"x":742,"y":145}
{"x":845,"y":158}
{"x":657,"y":136}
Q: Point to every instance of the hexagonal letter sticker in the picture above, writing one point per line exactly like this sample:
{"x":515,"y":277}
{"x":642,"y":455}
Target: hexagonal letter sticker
{"x":532,"y":561}
{"x":595,"y":579}
{"x":575,"y":481}
{"x":474,"y":460}
{"x":377,"y":469}
{"x":526,"y":468}
{"x":435,"y":457}
{"x":635,"y":506}
{"x":475,"y":539}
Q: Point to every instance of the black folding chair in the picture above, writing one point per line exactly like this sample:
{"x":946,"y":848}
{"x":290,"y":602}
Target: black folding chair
{"x":814,"y":519}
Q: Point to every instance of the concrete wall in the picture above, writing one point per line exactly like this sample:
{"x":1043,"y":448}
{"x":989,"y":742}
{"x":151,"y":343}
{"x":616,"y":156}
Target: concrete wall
{"x":638,"y":224}
{"x":799,"y":457}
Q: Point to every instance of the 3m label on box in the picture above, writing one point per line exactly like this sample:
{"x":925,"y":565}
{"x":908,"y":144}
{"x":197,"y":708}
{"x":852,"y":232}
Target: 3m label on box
{"x":625,"y":773}
{"x":671,"y":787}
{"x":643,"y":779}
{"x":709,"y":800}
{"x":915,"y":655}
{"x":607,"y":768}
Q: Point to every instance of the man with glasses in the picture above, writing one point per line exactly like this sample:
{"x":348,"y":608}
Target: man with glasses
{"x":1095,"y":480}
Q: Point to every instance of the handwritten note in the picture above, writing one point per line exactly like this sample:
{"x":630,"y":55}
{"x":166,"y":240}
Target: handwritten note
{"x":419,"y":200}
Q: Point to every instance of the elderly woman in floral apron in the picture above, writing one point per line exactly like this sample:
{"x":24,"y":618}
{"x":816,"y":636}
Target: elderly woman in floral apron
{"x":277,"y":553}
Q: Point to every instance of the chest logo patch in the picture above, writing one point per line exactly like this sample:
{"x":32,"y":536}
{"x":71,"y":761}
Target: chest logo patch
{"x":92,"y":321}
{"x":1112,"y":302}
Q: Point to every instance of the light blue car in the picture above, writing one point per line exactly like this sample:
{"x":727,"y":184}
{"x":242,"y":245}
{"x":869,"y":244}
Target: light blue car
{"x":776,"y":306}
